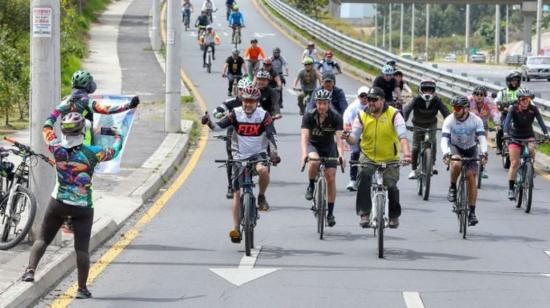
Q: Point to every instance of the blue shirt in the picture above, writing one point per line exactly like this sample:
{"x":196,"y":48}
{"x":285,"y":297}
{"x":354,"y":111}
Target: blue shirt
{"x":236,"y":18}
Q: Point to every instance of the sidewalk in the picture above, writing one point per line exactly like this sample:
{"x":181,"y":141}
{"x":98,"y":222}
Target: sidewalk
{"x":150,"y":153}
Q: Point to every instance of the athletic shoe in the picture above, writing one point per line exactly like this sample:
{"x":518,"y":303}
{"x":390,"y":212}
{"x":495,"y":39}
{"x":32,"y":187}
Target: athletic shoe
{"x":28,"y":276}
{"x":262,"y":203}
{"x":331,"y":221}
{"x":83,"y":293}
{"x":352,"y":186}
{"x":412,"y":175}
{"x":472,"y":219}
{"x":235,"y":236}
{"x":364,"y":223}
{"x":309,"y":193}
{"x":434,"y":171}
{"x":451,"y":196}
{"x":229,"y":193}
{"x":511,"y":194}
{"x":393,"y":223}
{"x":484,"y":175}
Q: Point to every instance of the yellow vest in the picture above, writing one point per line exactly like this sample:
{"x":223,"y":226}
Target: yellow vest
{"x":379,"y":140}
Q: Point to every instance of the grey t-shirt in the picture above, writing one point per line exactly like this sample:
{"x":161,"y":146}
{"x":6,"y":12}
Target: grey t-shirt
{"x":308,"y":80}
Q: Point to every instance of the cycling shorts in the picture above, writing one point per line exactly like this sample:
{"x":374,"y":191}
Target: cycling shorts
{"x":325,"y":151}
{"x":468,"y":153}
{"x":238,"y":172}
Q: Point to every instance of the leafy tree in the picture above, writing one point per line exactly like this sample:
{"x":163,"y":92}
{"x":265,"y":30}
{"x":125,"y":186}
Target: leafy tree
{"x":310,"y":7}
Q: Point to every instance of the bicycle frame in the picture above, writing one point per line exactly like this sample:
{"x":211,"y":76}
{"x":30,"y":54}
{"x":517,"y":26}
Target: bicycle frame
{"x":378,"y":189}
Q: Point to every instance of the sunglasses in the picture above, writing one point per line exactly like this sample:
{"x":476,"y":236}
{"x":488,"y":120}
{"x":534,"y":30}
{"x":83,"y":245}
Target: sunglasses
{"x":479,"y":94}
{"x":458,"y":108}
{"x":372,"y":99}
{"x":363,"y":95}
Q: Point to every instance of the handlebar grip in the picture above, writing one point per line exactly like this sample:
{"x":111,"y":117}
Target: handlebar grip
{"x":220,"y":161}
{"x":17,"y":144}
{"x":11,"y":140}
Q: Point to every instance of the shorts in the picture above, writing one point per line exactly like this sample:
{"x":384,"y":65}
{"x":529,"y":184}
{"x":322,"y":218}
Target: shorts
{"x":325,"y":151}
{"x":237,"y":179}
{"x":517,"y":145}
{"x":468,"y":153}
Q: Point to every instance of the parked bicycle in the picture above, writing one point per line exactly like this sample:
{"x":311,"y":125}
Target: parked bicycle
{"x":425,"y":161}
{"x":320,"y":194}
{"x":17,"y":203}
{"x":248,"y":211}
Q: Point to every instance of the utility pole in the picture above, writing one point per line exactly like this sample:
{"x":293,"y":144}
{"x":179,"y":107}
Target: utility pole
{"x":45,"y":94}
{"x":384,"y":32}
{"x":390,"y":29}
{"x":401,"y":28}
{"x":412,"y":30}
{"x":497,"y":34}
{"x":172,"y":116}
{"x":538,"y":31}
{"x":376,"y":25}
{"x":156,"y":25}
{"x":467,"y":36}
{"x":427,"y":30}
{"x":507,"y":23}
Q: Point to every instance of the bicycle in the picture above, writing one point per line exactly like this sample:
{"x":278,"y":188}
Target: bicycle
{"x":425,"y":161}
{"x":17,"y":203}
{"x":236,"y":35}
{"x":303,"y":105}
{"x":378,"y":217}
{"x":523,"y":190}
{"x":320,"y":197}
{"x":253,"y":66}
{"x":225,"y":139}
{"x":186,"y":16}
{"x":248,"y":209}
{"x":208,"y":58}
{"x":234,"y":88}
{"x":460,"y":206}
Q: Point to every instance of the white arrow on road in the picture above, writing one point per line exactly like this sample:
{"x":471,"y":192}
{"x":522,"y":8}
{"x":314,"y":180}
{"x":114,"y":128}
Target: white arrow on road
{"x":260,"y":35}
{"x":246,"y":271}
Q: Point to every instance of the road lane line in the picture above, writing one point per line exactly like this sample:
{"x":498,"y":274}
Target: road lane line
{"x":547,"y":252}
{"x":413,"y":300}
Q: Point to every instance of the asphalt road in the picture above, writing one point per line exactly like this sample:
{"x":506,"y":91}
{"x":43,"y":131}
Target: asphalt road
{"x":170,"y":263}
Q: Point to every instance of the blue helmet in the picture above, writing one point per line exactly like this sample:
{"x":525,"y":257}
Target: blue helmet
{"x":388,"y":70}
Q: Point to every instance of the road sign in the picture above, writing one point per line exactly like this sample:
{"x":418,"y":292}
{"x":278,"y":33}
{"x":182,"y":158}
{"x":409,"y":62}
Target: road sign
{"x":42,"y":22}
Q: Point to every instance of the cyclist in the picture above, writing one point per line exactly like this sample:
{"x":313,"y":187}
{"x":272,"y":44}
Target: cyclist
{"x":253,"y":56}
{"x":311,"y":52}
{"x":403,"y":86}
{"x":329,"y":65}
{"x":460,"y":135}
{"x":201,"y":23}
{"x":505,"y":98}
{"x":222,"y":110}
{"x":388,"y":84}
{"x":275,"y":81}
{"x":233,"y":69}
{"x":350,"y":114}
{"x":236,"y":21}
{"x":269,"y":99}
{"x":381,"y":133}
{"x":519,"y":124}
{"x":320,"y":127}
{"x":186,"y":9}
{"x":308,"y":78}
{"x":253,"y":131}
{"x":338,"y":101}
{"x":72,"y":196}
{"x":229,"y":6}
{"x":280,"y":65}
{"x":426,"y":106}
{"x":209,"y":7}
{"x":209,"y":40}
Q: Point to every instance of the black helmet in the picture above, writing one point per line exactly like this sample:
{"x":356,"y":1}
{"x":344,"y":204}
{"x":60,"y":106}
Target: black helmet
{"x":460,"y":101}
{"x":323,"y":94}
{"x":513,"y":75}
{"x":277,"y":50}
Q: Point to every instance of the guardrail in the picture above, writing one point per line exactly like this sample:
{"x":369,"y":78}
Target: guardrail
{"x":448,"y":83}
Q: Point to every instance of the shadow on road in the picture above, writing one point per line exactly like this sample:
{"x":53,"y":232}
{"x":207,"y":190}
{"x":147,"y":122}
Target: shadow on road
{"x":147,"y":299}
{"x":397,"y":254}
{"x":271,"y":252}
{"x":163,"y":248}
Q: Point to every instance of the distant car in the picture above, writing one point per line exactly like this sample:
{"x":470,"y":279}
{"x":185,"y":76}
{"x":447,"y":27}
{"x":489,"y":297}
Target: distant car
{"x":536,"y":67}
{"x":407,"y":55}
{"x":478,"y":58}
{"x":451,"y":57}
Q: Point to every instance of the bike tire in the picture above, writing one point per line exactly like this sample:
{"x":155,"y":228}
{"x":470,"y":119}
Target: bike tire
{"x":31,"y":208}
{"x":320,"y":200}
{"x":209,"y":64}
{"x":380,"y":224}
{"x":248,"y":222}
{"x":519,"y":186}
{"x":427,"y":173}
{"x":528,"y":186}
{"x":479,"y":175}
{"x":458,"y":204}
{"x":463,"y":207}
{"x":505,"y":158}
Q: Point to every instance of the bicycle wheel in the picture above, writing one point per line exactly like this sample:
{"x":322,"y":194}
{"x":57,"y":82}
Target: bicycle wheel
{"x":209,"y":62}
{"x":505,"y":160}
{"x":519,"y":186}
{"x":427,"y":173}
{"x":380,"y":224}
{"x":419,"y":177}
{"x":248,"y":225}
{"x":528,"y":186}
{"x":321,"y":202}
{"x":18,"y":222}
{"x":479,"y":175}
{"x":463,"y":208}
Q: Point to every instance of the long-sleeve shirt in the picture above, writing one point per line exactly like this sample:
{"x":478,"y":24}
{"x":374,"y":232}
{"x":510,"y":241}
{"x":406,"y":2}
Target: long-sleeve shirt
{"x":236,"y":19}
{"x":487,"y":111}
{"x":463,"y":134}
{"x":519,"y":124}
{"x":338,"y":102}
{"x":425,"y":114}
{"x":208,"y":5}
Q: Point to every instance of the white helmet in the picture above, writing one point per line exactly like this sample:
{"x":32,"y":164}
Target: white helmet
{"x":363,"y":89}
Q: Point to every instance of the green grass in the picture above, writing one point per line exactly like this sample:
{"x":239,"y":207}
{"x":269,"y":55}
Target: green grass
{"x":187,"y":99}
{"x":544,"y":148}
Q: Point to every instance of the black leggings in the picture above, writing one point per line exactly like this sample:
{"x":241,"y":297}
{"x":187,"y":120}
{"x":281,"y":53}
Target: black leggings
{"x":82,"y":219}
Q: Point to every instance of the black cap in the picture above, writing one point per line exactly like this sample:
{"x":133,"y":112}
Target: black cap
{"x":376,"y":92}
{"x":328,"y":76}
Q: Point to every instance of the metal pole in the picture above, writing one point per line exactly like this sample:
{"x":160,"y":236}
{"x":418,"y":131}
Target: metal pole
{"x":507,"y":23}
{"x":467,"y":35}
{"x":155,"y":28}
{"x":538,"y":32}
{"x":172,"y":117}
{"x":389,"y":29}
{"x":384,"y":32}
{"x":376,"y":25}
{"x":45,"y":78}
{"x":427,"y":30}
{"x":412,"y":30}
{"x":497,"y":34}
{"x":401,"y":28}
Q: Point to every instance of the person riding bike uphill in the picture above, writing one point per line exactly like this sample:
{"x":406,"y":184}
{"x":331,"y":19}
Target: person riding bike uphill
{"x":382,"y":133}
{"x":221,"y":111}
{"x":209,"y":40}
{"x":460,"y":135}
{"x":229,"y":7}
{"x":338,"y":101}
{"x":388,"y":84}
{"x":308,"y":78}
{"x":248,"y":143}
{"x":320,"y":127}
{"x":275,"y":81}
{"x":269,"y":97}
{"x":279,"y":63}
{"x":202,"y":22}
{"x":234,"y":70}
{"x":329,"y":65}
{"x":506,"y":98}
{"x":186,"y":9}
{"x":311,"y":52}
{"x":72,"y":195}
{"x":426,"y":106}
{"x":519,"y":124}
{"x":236,"y":20}
{"x":209,"y":7}
{"x":253,"y":56}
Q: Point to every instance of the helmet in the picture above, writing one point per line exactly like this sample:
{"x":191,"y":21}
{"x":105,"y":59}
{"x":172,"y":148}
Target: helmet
{"x":250,"y":92}
{"x":363,"y":89}
{"x":277,"y":50}
{"x":81,"y":79}
{"x":235,"y":7}
{"x":523,"y":92}
{"x":235,"y":51}
{"x":391,"y":63}
{"x":328,"y":53}
{"x":388,"y":70}
{"x":267,"y":61}
{"x":460,"y":101}
{"x":263,"y":74}
{"x":427,"y":85}
{"x":244,"y":82}
{"x":209,"y":27}
{"x":323,"y":94}
{"x":307,"y":60}
{"x":310,"y":44}
{"x":72,"y":124}
{"x":481,"y":90}
{"x":510,"y":77}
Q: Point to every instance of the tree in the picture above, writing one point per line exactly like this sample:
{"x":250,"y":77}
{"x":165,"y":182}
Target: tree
{"x":310,"y":7}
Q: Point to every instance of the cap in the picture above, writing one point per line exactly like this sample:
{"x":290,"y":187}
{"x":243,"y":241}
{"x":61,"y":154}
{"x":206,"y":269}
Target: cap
{"x":328,"y":76}
{"x":376,"y":92}
{"x":363,"y":89}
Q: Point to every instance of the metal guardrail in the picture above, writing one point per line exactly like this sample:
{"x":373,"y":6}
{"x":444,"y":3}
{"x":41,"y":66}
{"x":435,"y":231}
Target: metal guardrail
{"x":448,"y":83}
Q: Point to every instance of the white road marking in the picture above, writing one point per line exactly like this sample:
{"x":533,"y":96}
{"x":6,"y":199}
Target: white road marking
{"x":245,"y":272}
{"x":260,"y":35}
{"x":413,"y":300}
{"x":547,"y":252}
{"x":546,"y":275}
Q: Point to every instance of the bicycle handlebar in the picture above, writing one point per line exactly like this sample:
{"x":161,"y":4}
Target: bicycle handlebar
{"x":232,"y":161}
{"x":384,"y":165}
{"x":414,"y":128}
{"x":27,"y":149}
{"x":323,"y":160}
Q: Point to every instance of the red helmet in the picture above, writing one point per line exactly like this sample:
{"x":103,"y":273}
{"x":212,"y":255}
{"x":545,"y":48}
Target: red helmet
{"x":250,"y":92}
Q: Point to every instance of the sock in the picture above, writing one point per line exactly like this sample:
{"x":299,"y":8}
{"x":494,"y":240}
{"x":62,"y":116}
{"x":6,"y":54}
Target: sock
{"x":472,"y":209}
{"x":511,"y":184}
{"x":453,"y":185}
{"x":330,"y":208}
{"x":311,"y":183}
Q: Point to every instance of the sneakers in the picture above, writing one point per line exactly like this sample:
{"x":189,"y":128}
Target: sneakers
{"x":484,"y":175}
{"x":412,"y":175}
{"x":498,"y":151}
{"x":28,"y":276}
{"x":352,"y":186}
{"x":434,"y":171}
{"x":451,"y":196}
{"x":262,"y":203}
{"x":235,"y":236}
{"x":393,"y":223}
{"x":331,"y":221}
{"x":309,"y":193}
{"x":364,"y":223}
{"x":472,"y":219}
{"x":229,"y":193}
{"x":229,"y":93}
{"x":511,"y":194}
{"x":203,"y":65}
{"x":83,"y":293}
